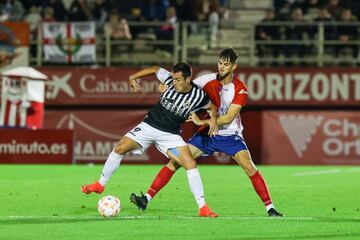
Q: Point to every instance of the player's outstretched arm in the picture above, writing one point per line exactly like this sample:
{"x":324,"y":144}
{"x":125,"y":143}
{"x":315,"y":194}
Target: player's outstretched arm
{"x":230,"y":115}
{"x":134,"y":78}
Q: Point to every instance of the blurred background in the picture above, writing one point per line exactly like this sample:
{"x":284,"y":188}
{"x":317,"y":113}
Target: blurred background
{"x":65,"y":65}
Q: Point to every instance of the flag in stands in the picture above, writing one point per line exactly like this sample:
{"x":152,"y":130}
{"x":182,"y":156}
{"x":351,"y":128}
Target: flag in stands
{"x":69,"y":42}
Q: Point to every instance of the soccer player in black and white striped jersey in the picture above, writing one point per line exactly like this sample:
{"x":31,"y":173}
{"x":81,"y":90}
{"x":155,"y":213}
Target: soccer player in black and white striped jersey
{"x":162,"y":127}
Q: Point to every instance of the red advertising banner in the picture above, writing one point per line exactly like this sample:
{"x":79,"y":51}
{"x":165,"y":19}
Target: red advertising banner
{"x":97,"y":86}
{"x":311,"y":138}
{"x":46,"y":146}
{"x":302,"y":86}
{"x":266,"y":86}
{"x":97,"y":132}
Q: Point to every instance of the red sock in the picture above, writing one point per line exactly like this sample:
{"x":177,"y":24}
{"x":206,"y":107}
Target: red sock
{"x":260,"y":187}
{"x":161,"y":179}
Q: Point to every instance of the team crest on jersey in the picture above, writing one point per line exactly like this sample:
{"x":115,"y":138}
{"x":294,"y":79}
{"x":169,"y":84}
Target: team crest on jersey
{"x":186,"y":104}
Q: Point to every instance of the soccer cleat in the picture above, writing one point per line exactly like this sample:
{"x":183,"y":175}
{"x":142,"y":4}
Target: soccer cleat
{"x":273,"y":213}
{"x":205,"y":211}
{"x":140,"y":201}
{"x":96,"y":187}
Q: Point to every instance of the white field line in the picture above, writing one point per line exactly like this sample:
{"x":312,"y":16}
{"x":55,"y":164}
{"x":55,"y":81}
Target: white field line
{"x":333,"y":171}
{"x":239,"y":218}
{"x":317,"y":172}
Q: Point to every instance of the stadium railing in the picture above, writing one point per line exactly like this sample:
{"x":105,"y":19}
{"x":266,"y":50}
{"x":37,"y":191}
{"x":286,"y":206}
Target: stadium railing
{"x":190,"y":40}
{"x":319,"y":48}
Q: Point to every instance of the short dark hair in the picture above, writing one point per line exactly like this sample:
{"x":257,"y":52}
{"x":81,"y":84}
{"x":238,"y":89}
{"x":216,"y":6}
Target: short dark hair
{"x":229,"y":54}
{"x":184,"y":68}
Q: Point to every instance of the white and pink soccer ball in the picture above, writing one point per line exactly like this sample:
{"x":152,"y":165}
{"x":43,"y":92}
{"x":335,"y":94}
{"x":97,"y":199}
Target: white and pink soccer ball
{"x":109,"y":206}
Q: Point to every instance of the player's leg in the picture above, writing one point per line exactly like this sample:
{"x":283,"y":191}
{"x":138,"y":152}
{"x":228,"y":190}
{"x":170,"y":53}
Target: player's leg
{"x":243,"y":158}
{"x":166,"y":173}
{"x":112,"y":163}
{"x":161,"y":179}
{"x":183,"y":156}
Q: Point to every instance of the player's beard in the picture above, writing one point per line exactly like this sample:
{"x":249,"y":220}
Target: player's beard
{"x":221,"y":77}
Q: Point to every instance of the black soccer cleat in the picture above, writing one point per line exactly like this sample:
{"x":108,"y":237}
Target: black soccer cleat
{"x":273,"y":213}
{"x":140,"y":201}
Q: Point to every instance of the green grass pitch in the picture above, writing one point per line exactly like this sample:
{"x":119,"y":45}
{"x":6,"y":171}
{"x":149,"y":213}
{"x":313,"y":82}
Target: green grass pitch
{"x":45,"y":202}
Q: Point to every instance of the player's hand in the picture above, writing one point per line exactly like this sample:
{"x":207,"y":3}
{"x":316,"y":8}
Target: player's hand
{"x":195,"y":119}
{"x":162,"y":87}
{"x":134,"y":84}
{"x":213,"y":128}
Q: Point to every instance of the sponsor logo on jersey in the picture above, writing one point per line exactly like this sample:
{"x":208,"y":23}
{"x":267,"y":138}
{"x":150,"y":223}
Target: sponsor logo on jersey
{"x":243,"y":91}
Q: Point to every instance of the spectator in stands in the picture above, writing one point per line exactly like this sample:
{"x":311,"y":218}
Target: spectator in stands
{"x":48,"y":15}
{"x":346,"y":33}
{"x":60,"y":13}
{"x":279,"y":4}
{"x":329,"y":30}
{"x":154,"y":10}
{"x":214,"y":19}
{"x":202,"y":10}
{"x":130,"y":10}
{"x":100,"y":12}
{"x":335,"y":8}
{"x":298,"y":32}
{"x":79,"y":11}
{"x":283,"y":9}
{"x":355,"y":8}
{"x":123,"y":7}
{"x":117,"y":27}
{"x":309,"y":7}
{"x":11,"y":10}
{"x":267,"y":33}
{"x":33,"y":18}
{"x":166,"y":31}
{"x":183,"y":9}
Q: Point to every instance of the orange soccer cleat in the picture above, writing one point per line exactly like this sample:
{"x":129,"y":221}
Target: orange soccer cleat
{"x":205,"y":211}
{"x":95,"y":187}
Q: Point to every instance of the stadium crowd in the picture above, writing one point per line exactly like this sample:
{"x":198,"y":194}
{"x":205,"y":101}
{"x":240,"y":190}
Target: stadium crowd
{"x":112,"y":17}
{"x":303,"y":13}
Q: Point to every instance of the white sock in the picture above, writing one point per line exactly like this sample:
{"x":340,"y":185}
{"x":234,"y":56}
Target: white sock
{"x":269,"y":206}
{"x":112,"y":163}
{"x":148,"y":197}
{"x":196,"y":186}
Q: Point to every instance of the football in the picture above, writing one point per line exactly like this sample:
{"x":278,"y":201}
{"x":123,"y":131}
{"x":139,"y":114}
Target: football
{"x":109,"y":206}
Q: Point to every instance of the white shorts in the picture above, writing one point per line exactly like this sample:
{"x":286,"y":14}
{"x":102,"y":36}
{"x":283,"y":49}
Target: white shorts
{"x":145,"y":135}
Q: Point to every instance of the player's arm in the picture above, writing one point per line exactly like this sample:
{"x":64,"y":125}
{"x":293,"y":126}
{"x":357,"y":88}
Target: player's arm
{"x":211,"y":122}
{"x":230,"y":115}
{"x":133,"y":79}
